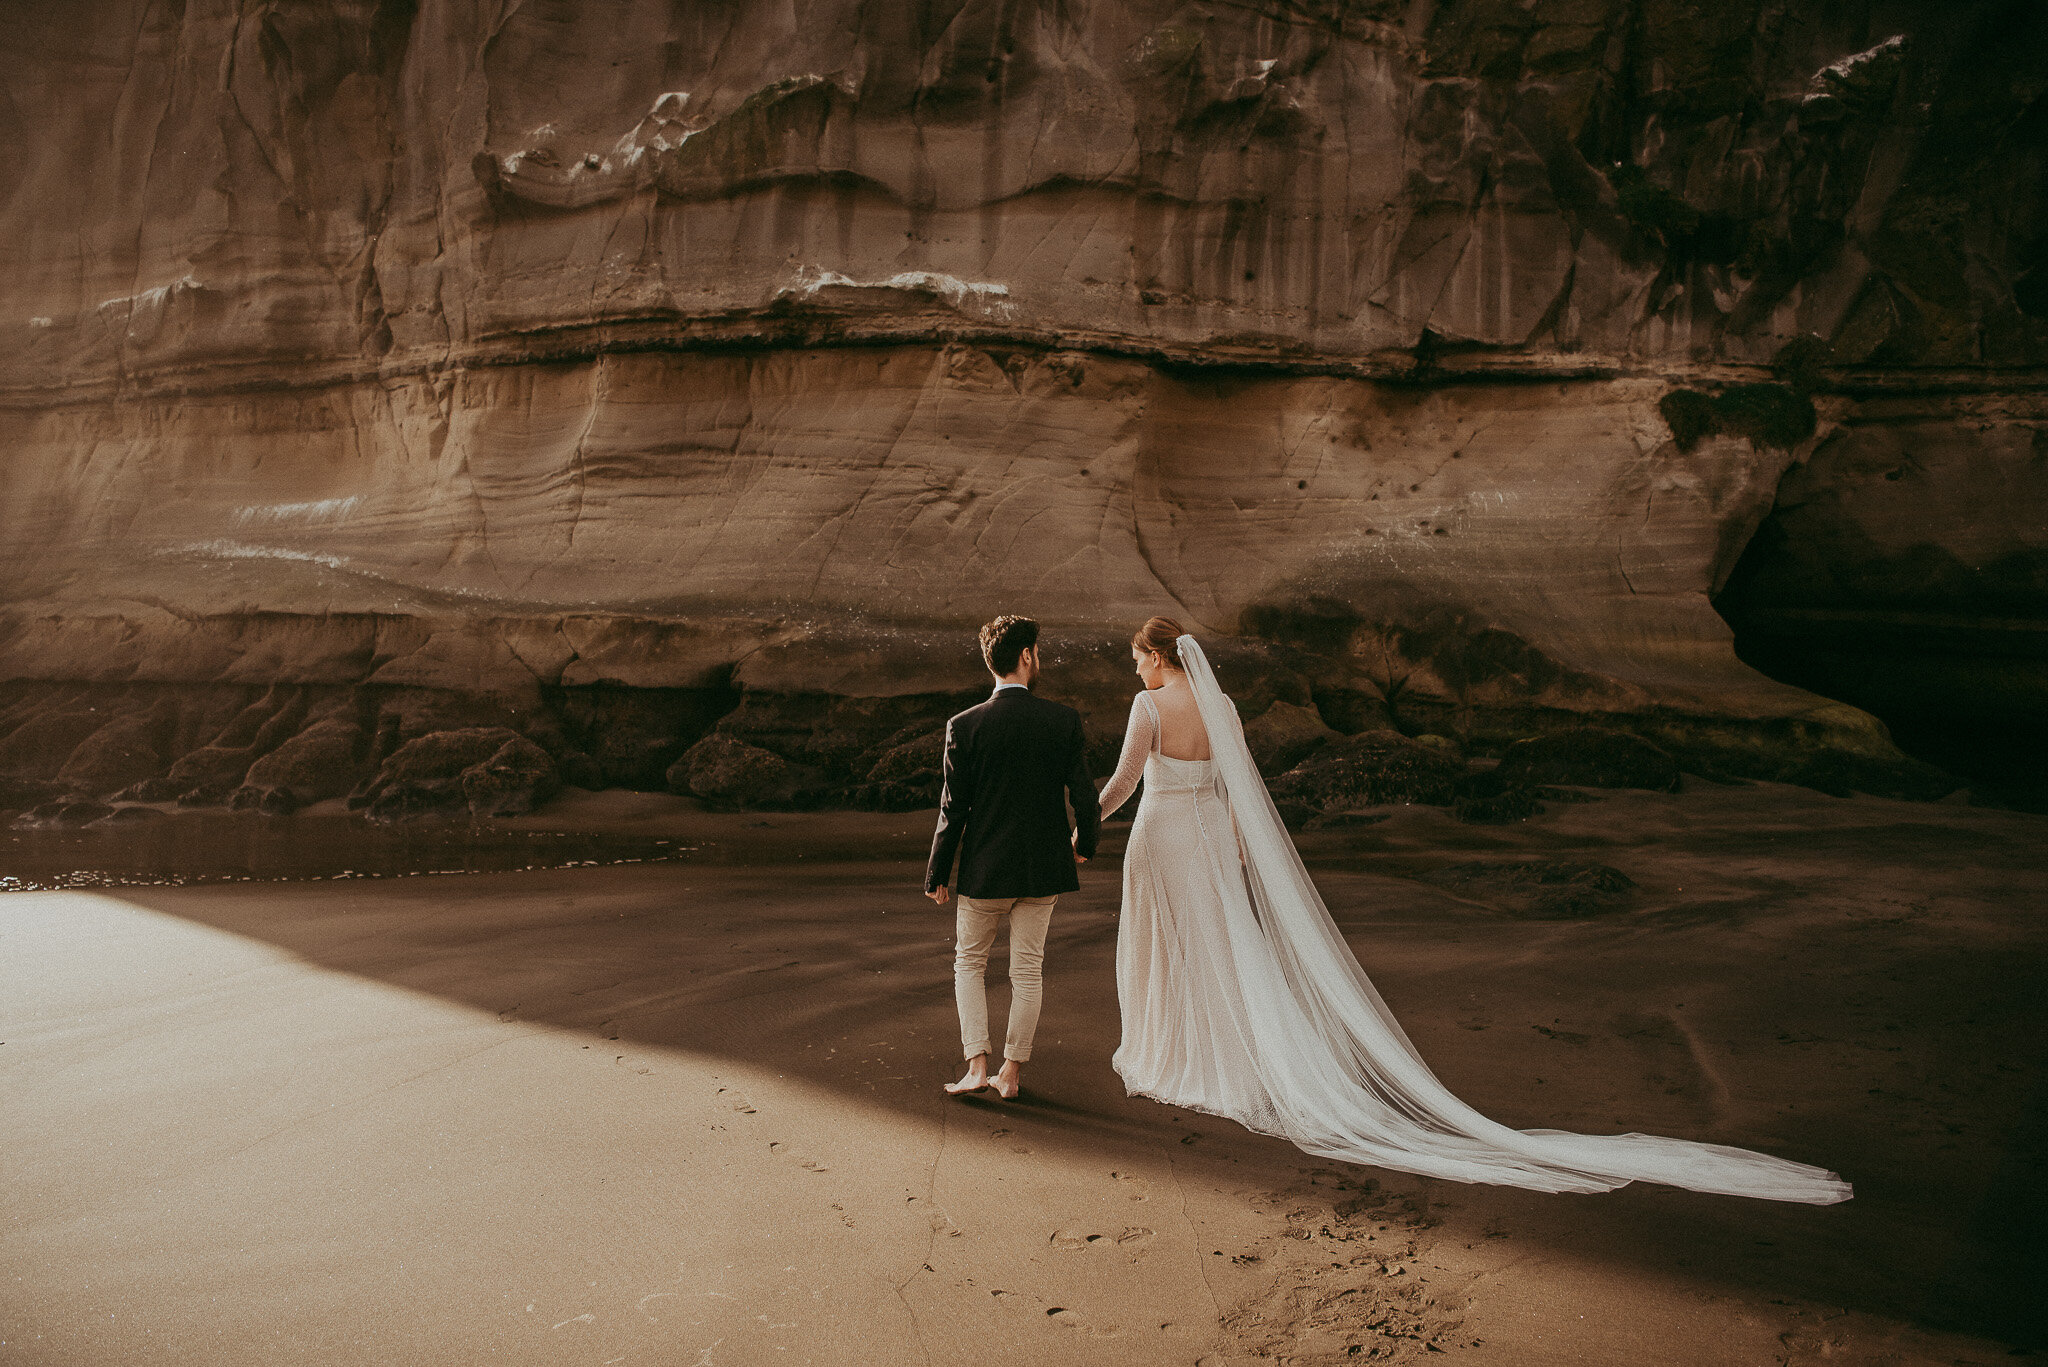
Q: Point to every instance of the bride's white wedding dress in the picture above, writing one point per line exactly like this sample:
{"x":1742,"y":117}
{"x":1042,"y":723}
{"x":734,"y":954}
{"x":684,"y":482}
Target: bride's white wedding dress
{"x":1240,"y":998}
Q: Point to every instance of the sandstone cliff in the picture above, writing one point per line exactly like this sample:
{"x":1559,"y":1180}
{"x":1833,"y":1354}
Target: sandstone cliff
{"x":612,"y":373}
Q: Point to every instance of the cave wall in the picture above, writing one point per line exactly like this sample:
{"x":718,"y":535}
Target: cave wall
{"x":1441,"y":355}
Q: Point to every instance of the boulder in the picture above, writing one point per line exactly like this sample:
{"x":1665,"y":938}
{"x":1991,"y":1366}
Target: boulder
{"x":906,"y":778}
{"x":731,"y":773}
{"x":1589,"y":757}
{"x":485,"y":770}
{"x":324,"y":760}
{"x":1368,"y":770}
{"x":518,"y":777}
{"x":841,"y":739}
{"x":64,"y":814}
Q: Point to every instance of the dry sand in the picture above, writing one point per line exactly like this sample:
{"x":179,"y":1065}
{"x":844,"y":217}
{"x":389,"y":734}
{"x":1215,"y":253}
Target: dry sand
{"x":688,"y":1113}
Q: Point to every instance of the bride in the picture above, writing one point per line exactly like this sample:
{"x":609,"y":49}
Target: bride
{"x":1240,"y":997}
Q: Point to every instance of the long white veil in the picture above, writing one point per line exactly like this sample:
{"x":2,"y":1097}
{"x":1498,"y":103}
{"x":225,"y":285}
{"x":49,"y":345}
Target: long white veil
{"x":1342,"y":1078}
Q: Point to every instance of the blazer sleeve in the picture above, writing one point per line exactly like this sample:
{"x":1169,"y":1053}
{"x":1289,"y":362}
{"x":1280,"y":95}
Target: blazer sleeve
{"x":955,"y":802}
{"x":1081,"y":792}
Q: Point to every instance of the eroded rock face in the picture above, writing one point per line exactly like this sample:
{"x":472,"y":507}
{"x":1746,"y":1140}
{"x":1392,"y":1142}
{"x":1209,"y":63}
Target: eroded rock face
{"x":614,"y":374}
{"x":1585,"y":174}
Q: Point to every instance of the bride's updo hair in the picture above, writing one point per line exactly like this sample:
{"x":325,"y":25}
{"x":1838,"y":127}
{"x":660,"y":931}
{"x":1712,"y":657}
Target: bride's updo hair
{"x":1163,"y":635}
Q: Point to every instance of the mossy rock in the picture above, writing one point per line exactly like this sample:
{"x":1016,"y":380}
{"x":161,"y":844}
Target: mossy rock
{"x":906,"y":777}
{"x":518,"y":777}
{"x":730,"y":773}
{"x":1372,"y":769}
{"x":324,"y":760}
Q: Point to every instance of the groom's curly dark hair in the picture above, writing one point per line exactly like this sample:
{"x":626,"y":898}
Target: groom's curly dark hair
{"x":1006,"y":639}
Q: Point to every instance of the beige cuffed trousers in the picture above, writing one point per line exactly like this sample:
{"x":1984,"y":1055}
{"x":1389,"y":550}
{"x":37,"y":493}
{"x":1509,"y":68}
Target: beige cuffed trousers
{"x":975,"y":934}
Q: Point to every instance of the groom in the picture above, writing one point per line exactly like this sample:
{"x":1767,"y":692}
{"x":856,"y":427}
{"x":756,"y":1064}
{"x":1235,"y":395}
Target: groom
{"x":1002,"y":812}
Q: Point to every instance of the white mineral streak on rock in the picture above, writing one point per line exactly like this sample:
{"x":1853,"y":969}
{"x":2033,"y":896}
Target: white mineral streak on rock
{"x":236,"y":550}
{"x":955,"y":291}
{"x":151,"y":298}
{"x":319,"y":510}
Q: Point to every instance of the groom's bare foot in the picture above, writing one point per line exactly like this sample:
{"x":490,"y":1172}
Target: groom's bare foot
{"x":976,"y":1079}
{"x":1009,"y":1081}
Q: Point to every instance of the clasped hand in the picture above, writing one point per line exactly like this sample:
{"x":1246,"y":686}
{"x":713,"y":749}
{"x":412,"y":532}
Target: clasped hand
{"x":941,"y":893}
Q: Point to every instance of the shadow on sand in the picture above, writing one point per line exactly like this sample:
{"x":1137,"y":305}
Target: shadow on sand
{"x":1899,"y":1045}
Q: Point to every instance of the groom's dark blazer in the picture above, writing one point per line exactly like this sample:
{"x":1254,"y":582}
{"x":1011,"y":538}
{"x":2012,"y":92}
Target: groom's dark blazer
{"x":1011,"y":765}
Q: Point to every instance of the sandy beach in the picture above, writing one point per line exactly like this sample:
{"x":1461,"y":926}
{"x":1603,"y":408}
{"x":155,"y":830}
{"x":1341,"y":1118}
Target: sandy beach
{"x":688,"y":1112}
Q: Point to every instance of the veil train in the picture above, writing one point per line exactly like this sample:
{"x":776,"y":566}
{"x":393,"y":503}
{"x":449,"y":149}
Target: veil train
{"x":1343,"y":1079}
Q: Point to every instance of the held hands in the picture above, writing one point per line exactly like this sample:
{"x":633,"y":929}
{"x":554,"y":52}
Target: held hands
{"x":1075,"y":841}
{"x":940,"y":894}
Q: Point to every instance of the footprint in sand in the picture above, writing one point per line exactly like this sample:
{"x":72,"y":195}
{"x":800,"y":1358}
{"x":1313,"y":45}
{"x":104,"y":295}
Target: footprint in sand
{"x":1133,"y":1238}
{"x":1058,"y":1314}
{"x":738,"y":1103}
{"x":808,"y":1164}
{"x":1134,"y":1188}
{"x":1076,"y":1321}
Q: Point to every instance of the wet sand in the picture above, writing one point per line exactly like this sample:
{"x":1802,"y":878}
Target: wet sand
{"x":687,"y":1112}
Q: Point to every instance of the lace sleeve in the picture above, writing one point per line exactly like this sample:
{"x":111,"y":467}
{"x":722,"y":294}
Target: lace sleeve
{"x":1130,"y":766}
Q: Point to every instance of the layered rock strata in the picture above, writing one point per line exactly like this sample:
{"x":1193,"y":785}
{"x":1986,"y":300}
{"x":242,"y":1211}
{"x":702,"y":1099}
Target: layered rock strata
{"x":674,"y":388}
